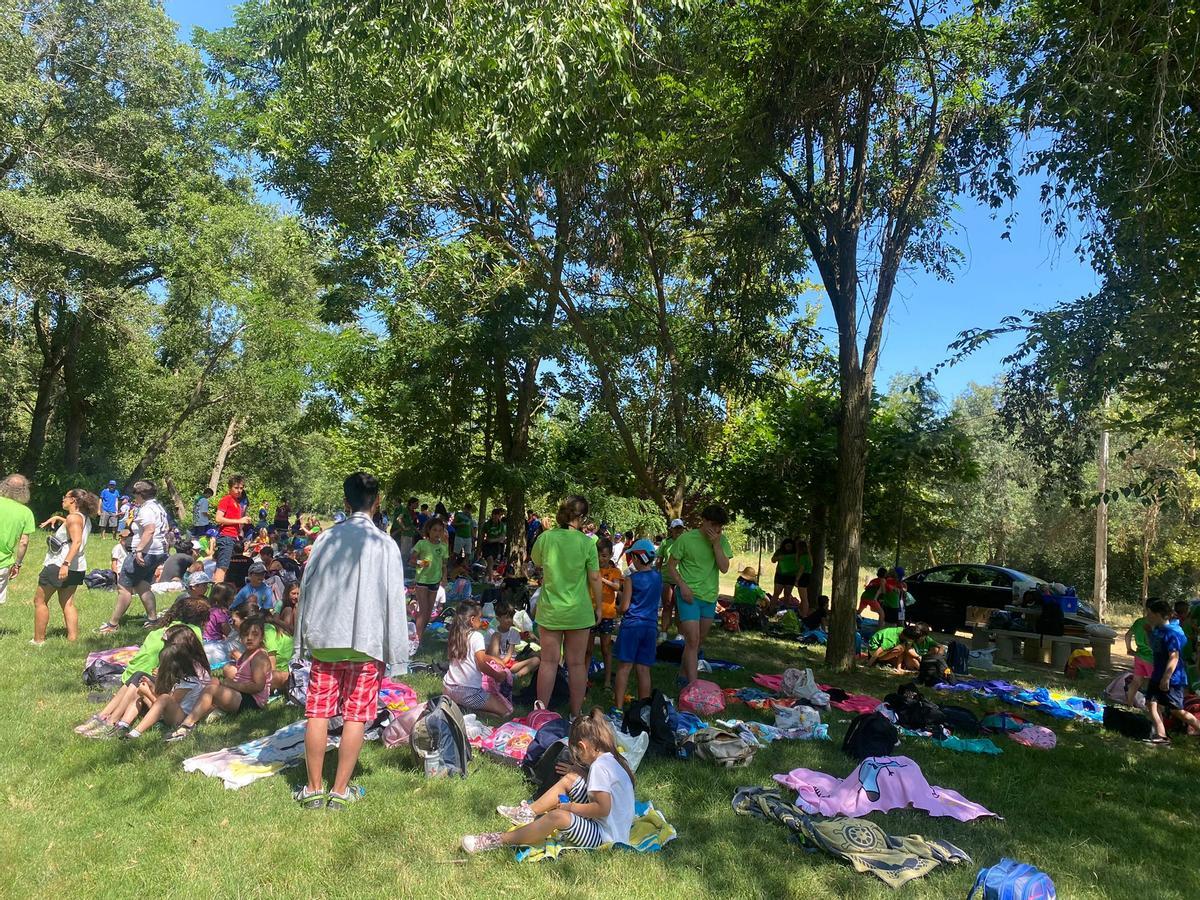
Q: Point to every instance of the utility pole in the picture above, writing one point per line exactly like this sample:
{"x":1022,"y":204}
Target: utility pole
{"x":1100,"y":590}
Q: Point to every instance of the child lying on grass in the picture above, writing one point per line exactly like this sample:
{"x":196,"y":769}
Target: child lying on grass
{"x":123,"y":708}
{"x":590,"y":806}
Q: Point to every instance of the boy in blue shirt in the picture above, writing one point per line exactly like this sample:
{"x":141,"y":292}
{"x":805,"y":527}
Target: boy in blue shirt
{"x":256,"y":589}
{"x":637,"y":641}
{"x":1165,"y":690}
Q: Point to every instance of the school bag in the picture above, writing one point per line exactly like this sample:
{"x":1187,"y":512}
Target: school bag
{"x":653,"y":716}
{"x":1123,"y":721}
{"x":399,"y":730}
{"x":102,"y":673}
{"x":960,"y":720}
{"x":913,"y":710}
{"x":933,"y":671}
{"x":296,"y":689}
{"x":802,"y":685}
{"x":439,"y":738}
{"x":722,"y":747}
{"x":870,"y":734}
{"x":704,"y":698}
{"x":958,"y":655}
{"x":1051,"y":621}
{"x":549,"y":734}
{"x":1011,"y":880}
{"x":100,"y":580}
{"x":1079,"y":659}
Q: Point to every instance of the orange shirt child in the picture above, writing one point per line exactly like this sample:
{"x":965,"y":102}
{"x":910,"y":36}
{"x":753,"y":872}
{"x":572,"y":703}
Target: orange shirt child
{"x":610,"y":582}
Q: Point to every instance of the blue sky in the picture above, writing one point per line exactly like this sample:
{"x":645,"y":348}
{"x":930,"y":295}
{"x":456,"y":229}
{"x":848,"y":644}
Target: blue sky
{"x":998,"y":277}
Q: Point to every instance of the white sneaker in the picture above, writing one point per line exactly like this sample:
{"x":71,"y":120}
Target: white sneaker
{"x":478,"y":843}
{"x":518,"y":815}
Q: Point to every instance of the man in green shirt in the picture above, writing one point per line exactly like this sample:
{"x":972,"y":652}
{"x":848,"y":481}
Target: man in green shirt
{"x":464,"y":532}
{"x":697,"y":560}
{"x":668,"y":590}
{"x":495,"y":536}
{"x":16,"y":526}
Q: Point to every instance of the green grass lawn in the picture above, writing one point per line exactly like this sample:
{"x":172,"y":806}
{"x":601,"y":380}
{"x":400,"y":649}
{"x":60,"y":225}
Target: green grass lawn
{"x":1106,"y":817}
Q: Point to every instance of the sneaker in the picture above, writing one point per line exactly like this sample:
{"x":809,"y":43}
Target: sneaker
{"x":518,"y":815}
{"x":106,"y":732}
{"x":90,"y":725}
{"x":310,"y":799}
{"x":107,"y":628}
{"x":478,"y":843}
{"x":38,"y":643}
{"x":179,"y":734}
{"x":338,"y":802}
{"x":131,"y":735}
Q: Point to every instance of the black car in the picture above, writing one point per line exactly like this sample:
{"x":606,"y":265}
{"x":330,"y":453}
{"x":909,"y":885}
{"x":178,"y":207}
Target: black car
{"x":943,"y":593}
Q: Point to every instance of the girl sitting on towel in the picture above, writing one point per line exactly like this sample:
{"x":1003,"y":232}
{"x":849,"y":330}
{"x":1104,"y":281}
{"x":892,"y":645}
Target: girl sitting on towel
{"x":182,"y":679}
{"x":589,"y":806}
{"x":476,"y":682}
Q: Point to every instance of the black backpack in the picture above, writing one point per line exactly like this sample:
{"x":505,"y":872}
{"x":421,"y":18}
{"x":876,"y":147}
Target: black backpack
{"x":102,"y":673}
{"x":653,"y":716}
{"x":1051,"y":621}
{"x":957,"y":657}
{"x":933,"y":671}
{"x":544,"y":773}
{"x":960,"y":720}
{"x":913,"y":710}
{"x":549,"y":734}
{"x":1123,"y":721}
{"x":870,"y":734}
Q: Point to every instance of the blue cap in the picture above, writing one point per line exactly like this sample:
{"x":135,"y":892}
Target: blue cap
{"x":339,"y":518}
{"x":112,"y":482}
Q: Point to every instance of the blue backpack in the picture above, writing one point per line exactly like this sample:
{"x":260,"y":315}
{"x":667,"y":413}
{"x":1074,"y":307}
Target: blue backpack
{"x":1011,"y":880}
{"x":957,"y":656}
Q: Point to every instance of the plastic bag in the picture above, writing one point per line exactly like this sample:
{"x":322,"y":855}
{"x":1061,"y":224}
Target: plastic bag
{"x":804,"y":718}
{"x":632,"y":748}
{"x":803,"y":686}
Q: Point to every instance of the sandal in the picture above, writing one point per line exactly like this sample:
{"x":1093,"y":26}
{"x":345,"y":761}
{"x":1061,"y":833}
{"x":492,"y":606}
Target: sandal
{"x":91,"y":724}
{"x":178,"y":734}
{"x":338,"y":802}
{"x":310,"y":799}
{"x":107,"y":628}
{"x":1157,"y":741}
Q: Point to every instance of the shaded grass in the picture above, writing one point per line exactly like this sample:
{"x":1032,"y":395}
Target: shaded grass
{"x":1107,"y":817}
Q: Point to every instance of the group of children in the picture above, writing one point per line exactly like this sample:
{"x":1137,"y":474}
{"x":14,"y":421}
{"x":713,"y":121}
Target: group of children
{"x":1160,"y":669}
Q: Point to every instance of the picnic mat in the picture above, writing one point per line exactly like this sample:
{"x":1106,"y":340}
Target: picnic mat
{"x":862,"y":843}
{"x":119,"y":656}
{"x":650,"y":833}
{"x":261,"y":758}
{"x":877,"y":784}
{"x":1052,"y":703}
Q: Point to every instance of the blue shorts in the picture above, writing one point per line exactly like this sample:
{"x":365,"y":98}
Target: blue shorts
{"x":224,"y":555}
{"x":695,"y":611}
{"x":637,"y":643}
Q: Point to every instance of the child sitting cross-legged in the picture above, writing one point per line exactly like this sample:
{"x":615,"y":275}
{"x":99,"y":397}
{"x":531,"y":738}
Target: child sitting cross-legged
{"x":181,"y":681}
{"x":586,"y":808}
{"x":503,"y":640}
{"x":123,"y":708}
{"x":475,"y":681}
{"x":244,"y":684}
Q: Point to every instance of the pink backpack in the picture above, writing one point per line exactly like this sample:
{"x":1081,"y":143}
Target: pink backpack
{"x":398,"y":730}
{"x":702,"y":698}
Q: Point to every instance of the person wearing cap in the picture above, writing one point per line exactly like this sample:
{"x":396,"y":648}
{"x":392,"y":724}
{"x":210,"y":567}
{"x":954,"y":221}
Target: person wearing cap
{"x":748,"y":599}
{"x":698,"y":559}
{"x":201,"y":510}
{"x":255,"y":589}
{"x":197,"y":585}
{"x":637,"y":641}
{"x":668,"y":596}
{"x":110,"y":499}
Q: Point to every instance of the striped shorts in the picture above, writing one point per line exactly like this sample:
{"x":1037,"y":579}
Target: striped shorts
{"x":581,"y":832}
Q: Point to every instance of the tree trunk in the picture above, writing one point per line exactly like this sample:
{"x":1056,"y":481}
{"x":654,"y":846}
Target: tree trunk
{"x":227,"y":445}
{"x":816,"y":548}
{"x":76,"y":403}
{"x":855,"y":408}
{"x":176,"y":500}
{"x":515,"y":517}
{"x":39,"y":423}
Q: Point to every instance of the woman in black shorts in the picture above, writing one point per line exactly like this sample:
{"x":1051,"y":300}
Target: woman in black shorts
{"x":64,"y":565}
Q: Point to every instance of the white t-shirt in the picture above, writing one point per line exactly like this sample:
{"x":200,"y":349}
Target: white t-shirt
{"x":618,"y":552}
{"x":508,"y":640}
{"x":607,"y":775}
{"x":118,"y":554}
{"x":464,"y":673}
{"x":151,"y":513}
{"x":79,"y":564}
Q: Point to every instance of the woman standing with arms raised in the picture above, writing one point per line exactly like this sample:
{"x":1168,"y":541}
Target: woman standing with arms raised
{"x":64,"y":565}
{"x":570,"y":597}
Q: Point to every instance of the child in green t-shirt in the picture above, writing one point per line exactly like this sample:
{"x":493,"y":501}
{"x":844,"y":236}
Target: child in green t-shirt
{"x":429,"y":556}
{"x":1137,"y":645}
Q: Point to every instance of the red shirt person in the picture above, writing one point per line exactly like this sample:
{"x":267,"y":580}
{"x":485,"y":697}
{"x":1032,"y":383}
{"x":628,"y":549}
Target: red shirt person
{"x":230,"y":518}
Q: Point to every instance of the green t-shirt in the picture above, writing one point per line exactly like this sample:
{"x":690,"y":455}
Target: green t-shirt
{"x":146,"y":659}
{"x":464,"y":524}
{"x":747,"y":593}
{"x":664,"y":550}
{"x":16,"y":520}
{"x":1141,"y":641}
{"x":408,"y":522}
{"x":565,"y":556}
{"x":436,"y":554}
{"x":495,"y":532}
{"x":340,"y":654}
{"x":925,"y":644}
{"x":697,"y":564}
{"x":885,"y":639}
{"x":805,"y":564}
{"x":787,"y":563}
{"x":279,"y":643}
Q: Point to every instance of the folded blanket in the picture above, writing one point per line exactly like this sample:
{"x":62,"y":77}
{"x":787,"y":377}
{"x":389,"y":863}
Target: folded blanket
{"x":878,"y":784}
{"x":860,"y":842}
{"x":649,"y":834}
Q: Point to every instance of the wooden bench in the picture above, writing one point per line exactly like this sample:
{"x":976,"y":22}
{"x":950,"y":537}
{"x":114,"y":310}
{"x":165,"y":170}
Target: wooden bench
{"x":1035,"y":647}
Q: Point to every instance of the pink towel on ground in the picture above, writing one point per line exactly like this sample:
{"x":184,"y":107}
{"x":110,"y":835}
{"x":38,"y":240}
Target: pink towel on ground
{"x":855,"y":703}
{"x":879,"y":784}
{"x":770,"y":682}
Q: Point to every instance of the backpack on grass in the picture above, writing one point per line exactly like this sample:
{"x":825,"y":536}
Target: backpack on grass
{"x":870,"y":734}
{"x":722,"y":747}
{"x":654,"y":716}
{"x":958,"y":655}
{"x":439,"y":738}
{"x":960,"y":720}
{"x":1011,"y":880}
{"x":1131,"y":724}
